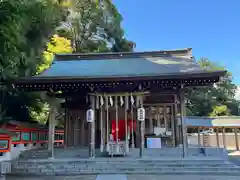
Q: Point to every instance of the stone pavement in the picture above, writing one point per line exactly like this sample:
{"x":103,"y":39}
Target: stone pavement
{"x":128,"y":177}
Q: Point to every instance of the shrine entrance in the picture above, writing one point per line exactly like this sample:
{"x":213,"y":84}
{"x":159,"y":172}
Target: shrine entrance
{"x":118,"y":116}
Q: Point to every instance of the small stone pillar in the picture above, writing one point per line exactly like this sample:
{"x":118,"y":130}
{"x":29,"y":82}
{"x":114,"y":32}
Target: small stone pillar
{"x":236,"y":139}
{"x":224,"y":137}
{"x":217,"y":137}
{"x":183,"y":127}
{"x":199,"y":137}
{"x":52,"y":123}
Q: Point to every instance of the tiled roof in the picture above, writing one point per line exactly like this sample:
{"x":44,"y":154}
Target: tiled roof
{"x":126,"y":67}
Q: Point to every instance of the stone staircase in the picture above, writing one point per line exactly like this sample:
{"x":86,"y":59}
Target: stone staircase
{"x":74,"y":161}
{"x":123,"y":166}
{"x":35,"y":154}
{"x":134,"y":153}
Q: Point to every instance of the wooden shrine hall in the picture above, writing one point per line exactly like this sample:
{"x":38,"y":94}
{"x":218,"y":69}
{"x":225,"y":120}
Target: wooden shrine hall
{"x":113,"y":101}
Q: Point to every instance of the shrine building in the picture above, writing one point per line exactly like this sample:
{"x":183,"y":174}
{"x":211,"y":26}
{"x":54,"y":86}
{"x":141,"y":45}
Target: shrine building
{"x":115,"y":102}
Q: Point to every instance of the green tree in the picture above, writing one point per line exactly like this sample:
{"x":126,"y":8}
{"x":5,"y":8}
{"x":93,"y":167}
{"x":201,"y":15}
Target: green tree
{"x":56,"y":45}
{"x":220,"y":111}
{"x":214,"y":100}
{"x":25,"y":29}
{"x":95,"y":26}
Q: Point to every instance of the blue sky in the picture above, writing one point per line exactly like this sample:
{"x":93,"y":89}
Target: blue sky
{"x":210,"y":27}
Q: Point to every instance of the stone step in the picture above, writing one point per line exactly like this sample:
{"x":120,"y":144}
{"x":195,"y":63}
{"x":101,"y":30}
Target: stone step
{"x":128,"y":166}
{"x":19,"y":165}
{"x":71,"y":171}
{"x":120,"y":161}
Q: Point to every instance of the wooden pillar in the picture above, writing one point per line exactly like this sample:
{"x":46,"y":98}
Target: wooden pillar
{"x":104,"y":127}
{"x":183,"y":127}
{"x":92,"y":130}
{"x":83,"y":137}
{"x":76,"y":128}
{"x":66,"y":128}
{"x":224,"y":137}
{"x":158,"y":117}
{"x":138,"y":135}
{"x":217,"y":137}
{"x":101,"y":129}
{"x":150,"y":121}
{"x":236,"y":139}
{"x":141,"y":131}
{"x":165,"y":118}
{"x":126,"y":123}
{"x":70,"y":129}
{"x":132,"y":129}
{"x":173,"y":127}
{"x":52,"y":124}
{"x":176,"y":125}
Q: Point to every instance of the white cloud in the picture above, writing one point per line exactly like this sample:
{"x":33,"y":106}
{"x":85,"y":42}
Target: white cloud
{"x":238,"y":93}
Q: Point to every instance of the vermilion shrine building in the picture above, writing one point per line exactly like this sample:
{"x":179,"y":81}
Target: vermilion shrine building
{"x":115,"y":85}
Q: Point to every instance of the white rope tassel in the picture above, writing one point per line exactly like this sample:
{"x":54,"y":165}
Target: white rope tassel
{"x":101,"y":101}
{"x":111,"y":100}
{"x":132,"y":99}
{"x":121,"y":101}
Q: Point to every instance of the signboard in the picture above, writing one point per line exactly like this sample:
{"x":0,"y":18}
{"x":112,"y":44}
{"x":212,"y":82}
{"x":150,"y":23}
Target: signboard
{"x":154,"y":143}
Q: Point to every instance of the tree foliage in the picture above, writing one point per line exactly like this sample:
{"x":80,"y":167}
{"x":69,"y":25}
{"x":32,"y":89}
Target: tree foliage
{"x":95,"y":27}
{"x":56,"y":45}
{"x":25,"y":28}
{"x":213,"y":100}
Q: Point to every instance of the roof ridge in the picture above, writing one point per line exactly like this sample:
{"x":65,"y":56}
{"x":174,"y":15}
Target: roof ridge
{"x":186,"y":52}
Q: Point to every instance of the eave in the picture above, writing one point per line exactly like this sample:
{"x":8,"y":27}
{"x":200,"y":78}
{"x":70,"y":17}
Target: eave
{"x":162,"y":82}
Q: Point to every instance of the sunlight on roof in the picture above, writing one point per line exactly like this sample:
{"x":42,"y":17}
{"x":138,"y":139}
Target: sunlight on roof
{"x":164,"y":61}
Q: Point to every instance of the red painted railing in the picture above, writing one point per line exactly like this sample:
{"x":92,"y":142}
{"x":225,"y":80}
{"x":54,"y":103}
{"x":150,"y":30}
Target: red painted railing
{"x":27,"y":136}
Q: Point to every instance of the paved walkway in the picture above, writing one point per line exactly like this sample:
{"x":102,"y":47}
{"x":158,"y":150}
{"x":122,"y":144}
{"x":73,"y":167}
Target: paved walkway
{"x":128,"y":177}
